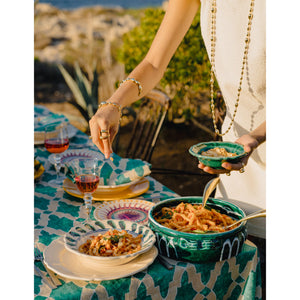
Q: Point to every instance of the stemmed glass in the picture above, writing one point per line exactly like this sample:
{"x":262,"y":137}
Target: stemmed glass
{"x":87,"y":177}
{"x":56,"y":142}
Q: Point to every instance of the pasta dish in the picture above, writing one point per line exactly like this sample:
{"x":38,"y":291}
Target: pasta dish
{"x":193,"y":218}
{"x":218,"y":152}
{"x":112,"y":243}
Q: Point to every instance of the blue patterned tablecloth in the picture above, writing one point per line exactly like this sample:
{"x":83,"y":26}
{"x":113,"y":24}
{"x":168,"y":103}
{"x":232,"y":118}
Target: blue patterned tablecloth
{"x":55,"y":212}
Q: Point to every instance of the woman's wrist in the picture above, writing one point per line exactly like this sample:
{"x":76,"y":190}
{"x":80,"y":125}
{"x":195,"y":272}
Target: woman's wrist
{"x":259,"y":134}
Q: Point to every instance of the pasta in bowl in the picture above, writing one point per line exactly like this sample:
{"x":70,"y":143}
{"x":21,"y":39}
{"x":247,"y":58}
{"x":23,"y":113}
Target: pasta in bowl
{"x":109,"y":242}
{"x":213,"y":154}
{"x":186,"y":240}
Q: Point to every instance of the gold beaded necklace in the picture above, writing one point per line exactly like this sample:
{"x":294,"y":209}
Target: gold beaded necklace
{"x":212,"y":55}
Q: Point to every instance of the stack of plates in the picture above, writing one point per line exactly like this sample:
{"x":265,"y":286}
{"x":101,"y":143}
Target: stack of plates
{"x":62,"y":255}
{"x":108,"y":193}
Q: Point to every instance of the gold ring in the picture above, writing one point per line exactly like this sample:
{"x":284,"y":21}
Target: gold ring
{"x":104,"y":137}
{"x":242,"y":170}
{"x":104,"y":131}
{"x":228,"y":173}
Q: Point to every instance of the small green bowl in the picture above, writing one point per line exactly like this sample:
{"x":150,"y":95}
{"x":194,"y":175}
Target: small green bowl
{"x":216,"y":162}
{"x":197,"y":247}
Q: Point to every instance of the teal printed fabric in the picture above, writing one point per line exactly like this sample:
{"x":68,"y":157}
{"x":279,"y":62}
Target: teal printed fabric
{"x":56,"y":212}
{"x":113,"y":172}
{"x":44,"y":118}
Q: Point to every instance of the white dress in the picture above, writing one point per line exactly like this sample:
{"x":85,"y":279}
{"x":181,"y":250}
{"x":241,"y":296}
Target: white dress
{"x":248,"y":190}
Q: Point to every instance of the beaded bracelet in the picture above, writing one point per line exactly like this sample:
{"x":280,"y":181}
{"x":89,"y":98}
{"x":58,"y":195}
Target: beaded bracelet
{"x":118,"y":106}
{"x":135,"y":81}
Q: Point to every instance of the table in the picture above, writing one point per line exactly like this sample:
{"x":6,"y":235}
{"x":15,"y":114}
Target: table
{"x":55,"y":212}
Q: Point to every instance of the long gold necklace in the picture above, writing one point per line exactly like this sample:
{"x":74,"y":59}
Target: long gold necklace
{"x":212,"y":70}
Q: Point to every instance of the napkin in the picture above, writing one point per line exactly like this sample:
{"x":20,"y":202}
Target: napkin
{"x":113,"y":172}
{"x":54,"y":119}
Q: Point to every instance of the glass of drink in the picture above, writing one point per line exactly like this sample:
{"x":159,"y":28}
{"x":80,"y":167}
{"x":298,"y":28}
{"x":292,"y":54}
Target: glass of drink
{"x":87,"y":177}
{"x":56,"y":142}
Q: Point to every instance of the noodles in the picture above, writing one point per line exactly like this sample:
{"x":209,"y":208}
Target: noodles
{"x":112,"y":243}
{"x":218,"y":152}
{"x":193,"y":218}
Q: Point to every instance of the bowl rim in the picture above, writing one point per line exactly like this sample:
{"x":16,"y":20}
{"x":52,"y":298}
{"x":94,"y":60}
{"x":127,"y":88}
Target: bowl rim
{"x":174,"y":232}
{"x":208,"y":144}
{"x":110,"y":258}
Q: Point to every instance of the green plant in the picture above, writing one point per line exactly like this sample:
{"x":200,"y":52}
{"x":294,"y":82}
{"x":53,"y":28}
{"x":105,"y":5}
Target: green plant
{"x":84,"y":91}
{"x":188,"y":72}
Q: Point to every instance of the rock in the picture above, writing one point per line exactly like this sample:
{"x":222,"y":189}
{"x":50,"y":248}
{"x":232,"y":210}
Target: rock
{"x":55,"y":29}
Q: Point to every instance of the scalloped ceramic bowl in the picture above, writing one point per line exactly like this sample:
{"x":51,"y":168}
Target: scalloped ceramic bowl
{"x":79,"y":234}
{"x":196,"y":247}
{"x":216,"y":162}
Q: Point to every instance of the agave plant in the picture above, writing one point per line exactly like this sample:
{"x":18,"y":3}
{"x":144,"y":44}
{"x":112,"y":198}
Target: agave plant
{"x":85,"y":92}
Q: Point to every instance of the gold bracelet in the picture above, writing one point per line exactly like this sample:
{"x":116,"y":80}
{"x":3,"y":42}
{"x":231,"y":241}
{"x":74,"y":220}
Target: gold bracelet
{"x":118,"y":106}
{"x":135,"y":81}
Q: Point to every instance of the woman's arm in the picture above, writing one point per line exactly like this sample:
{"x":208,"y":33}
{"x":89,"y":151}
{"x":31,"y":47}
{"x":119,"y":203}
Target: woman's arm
{"x":175,"y":24}
{"x":250,"y":142}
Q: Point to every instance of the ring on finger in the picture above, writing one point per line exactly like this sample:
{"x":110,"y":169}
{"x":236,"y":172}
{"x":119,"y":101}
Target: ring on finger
{"x":104,"y":137}
{"x":242,"y":170}
{"x":103,"y":131}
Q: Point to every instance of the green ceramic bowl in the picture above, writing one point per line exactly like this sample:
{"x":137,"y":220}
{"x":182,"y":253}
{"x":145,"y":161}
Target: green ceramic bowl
{"x":199,"y":247}
{"x":216,"y":162}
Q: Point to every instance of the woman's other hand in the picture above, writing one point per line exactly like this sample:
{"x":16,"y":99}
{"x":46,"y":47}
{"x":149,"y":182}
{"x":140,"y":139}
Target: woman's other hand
{"x":250,"y":142}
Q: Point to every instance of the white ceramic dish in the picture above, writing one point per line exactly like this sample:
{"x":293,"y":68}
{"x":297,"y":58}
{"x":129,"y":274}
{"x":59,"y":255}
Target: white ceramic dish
{"x":66,"y":264}
{"x":70,"y":154}
{"x":110,"y":189}
{"x":134,"y":210}
{"x":79,"y":235}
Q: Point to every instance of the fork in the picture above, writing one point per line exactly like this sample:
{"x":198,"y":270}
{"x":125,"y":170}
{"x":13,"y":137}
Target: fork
{"x":38,"y":256}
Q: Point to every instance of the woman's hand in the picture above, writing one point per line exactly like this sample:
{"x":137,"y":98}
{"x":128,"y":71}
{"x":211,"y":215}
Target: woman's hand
{"x":249,"y":143}
{"x":105,"y":124}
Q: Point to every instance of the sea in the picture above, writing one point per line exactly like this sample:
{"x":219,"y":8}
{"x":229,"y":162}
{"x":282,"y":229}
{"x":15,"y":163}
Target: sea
{"x":73,"y":4}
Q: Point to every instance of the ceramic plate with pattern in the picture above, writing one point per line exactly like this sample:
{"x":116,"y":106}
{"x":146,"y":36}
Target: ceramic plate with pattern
{"x":70,"y":154}
{"x":78,"y":235}
{"x":134,"y":190}
{"x":129,"y":209}
{"x":66,"y":264}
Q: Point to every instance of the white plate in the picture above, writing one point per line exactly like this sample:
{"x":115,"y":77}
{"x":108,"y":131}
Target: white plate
{"x":70,"y":154}
{"x":67,"y":264}
{"x":128,"y":209}
{"x":39,"y":136}
{"x":79,"y":234}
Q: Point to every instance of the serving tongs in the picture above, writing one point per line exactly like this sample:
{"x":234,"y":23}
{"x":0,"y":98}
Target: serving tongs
{"x":209,"y":188}
{"x":257,"y":214}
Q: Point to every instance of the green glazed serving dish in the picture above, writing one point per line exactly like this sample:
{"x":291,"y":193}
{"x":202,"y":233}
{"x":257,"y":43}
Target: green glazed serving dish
{"x":216,"y":162}
{"x":197,"y":247}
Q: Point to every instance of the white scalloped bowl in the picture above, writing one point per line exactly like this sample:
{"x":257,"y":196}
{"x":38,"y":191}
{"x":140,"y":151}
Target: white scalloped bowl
{"x":79,"y":234}
{"x":109,"y":189}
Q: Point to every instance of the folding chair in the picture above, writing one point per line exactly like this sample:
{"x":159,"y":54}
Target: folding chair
{"x":147,"y":126}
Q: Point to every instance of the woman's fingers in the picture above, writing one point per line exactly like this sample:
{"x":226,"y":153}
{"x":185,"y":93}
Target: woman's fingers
{"x":103,"y":133}
{"x":95,"y":133}
{"x":105,"y":138}
{"x":227,"y":167}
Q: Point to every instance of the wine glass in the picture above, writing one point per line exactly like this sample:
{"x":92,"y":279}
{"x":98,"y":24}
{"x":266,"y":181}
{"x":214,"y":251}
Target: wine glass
{"x":87,"y":177}
{"x":56,"y":142}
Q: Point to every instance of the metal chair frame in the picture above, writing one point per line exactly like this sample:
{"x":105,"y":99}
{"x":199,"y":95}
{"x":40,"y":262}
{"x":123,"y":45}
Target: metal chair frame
{"x":147,"y":125}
